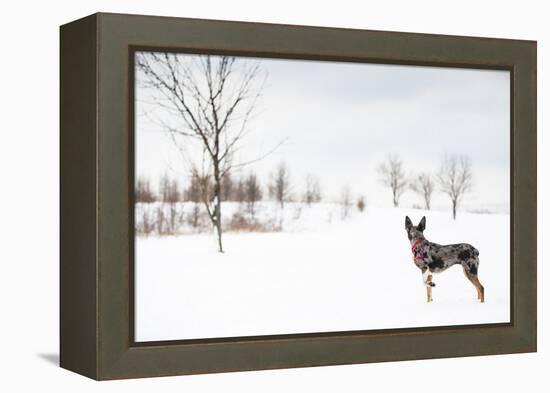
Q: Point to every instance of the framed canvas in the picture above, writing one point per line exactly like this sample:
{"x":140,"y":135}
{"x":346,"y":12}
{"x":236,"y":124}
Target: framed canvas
{"x":242,"y":196}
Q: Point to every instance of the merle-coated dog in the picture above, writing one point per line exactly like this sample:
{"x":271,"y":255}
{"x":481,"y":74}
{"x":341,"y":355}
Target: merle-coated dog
{"x":433,"y":258}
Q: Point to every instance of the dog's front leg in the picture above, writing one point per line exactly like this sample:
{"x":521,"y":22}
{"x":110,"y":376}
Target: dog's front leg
{"x":427,"y":279}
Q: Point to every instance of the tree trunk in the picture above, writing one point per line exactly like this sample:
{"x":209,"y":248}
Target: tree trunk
{"x":219,"y":224}
{"x":217,"y":206}
{"x":454,"y":210}
{"x":219,"y":235}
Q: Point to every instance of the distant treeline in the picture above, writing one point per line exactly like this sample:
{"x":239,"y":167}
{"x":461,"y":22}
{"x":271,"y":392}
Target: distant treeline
{"x":243,"y":189}
{"x":177,"y":203}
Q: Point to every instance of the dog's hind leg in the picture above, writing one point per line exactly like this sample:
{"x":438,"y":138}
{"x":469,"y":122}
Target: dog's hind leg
{"x":479,"y":287}
{"x":475,"y":281}
{"x":465,"y":270}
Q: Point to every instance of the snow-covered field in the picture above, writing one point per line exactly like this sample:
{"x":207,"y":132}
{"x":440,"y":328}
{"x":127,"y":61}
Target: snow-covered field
{"x":320,"y":274}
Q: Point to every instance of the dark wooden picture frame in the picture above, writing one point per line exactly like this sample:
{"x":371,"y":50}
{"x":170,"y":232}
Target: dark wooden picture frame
{"x":96,"y":267}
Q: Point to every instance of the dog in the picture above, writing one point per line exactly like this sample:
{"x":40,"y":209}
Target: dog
{"x":433,"y":258}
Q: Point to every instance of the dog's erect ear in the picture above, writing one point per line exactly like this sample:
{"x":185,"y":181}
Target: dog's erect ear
{"x":408,"y":223}
{"x":422,"y":225}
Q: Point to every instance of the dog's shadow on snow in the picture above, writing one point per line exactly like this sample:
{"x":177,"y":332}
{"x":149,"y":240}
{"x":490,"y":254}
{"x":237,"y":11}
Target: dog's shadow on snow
{"x":52,"y":358}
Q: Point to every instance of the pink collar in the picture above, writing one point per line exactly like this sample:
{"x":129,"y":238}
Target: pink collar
{"x":417,"y":255}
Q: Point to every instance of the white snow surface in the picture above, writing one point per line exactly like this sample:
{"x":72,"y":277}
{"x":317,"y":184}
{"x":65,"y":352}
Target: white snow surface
{"x":321,"y":273}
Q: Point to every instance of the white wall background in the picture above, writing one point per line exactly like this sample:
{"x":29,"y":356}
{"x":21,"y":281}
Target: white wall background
{"x":29,"y":246}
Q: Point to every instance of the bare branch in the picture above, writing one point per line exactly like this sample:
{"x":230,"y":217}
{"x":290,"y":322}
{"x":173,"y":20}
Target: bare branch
{"x":279,"y":188}
{"x":392,"y":175}
{"x":423,"y":185}
{"x":455,"y":178}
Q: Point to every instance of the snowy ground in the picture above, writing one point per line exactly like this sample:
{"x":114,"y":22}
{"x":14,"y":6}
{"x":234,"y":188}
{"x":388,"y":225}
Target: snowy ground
{"x":320,"y":274}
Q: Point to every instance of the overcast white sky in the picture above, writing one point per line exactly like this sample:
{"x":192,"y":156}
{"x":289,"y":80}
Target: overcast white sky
{"x":340,"y":120}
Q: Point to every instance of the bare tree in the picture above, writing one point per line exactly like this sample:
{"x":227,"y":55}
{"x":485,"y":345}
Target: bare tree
{"x":392,"y":175}
{"x":195,"y":189}
{"x":361,"y":204}
{"x":423,"y":185}
{"x":144,"y":220}
{"x":279,"y":188}
{"x":253,"y":192}
{"x":240,"y":191}
{"x":345,"y":201}
{"x":160,"y":220}
{"x":169,"y":216}
{"x":455,"y":178}
{"x":169,"y":190}
{"x":312,"y":193}
{"x":194,"y":194}
{"x":143,"y":191}
{"x":227,"y":188}
{"x":209,"y":100}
